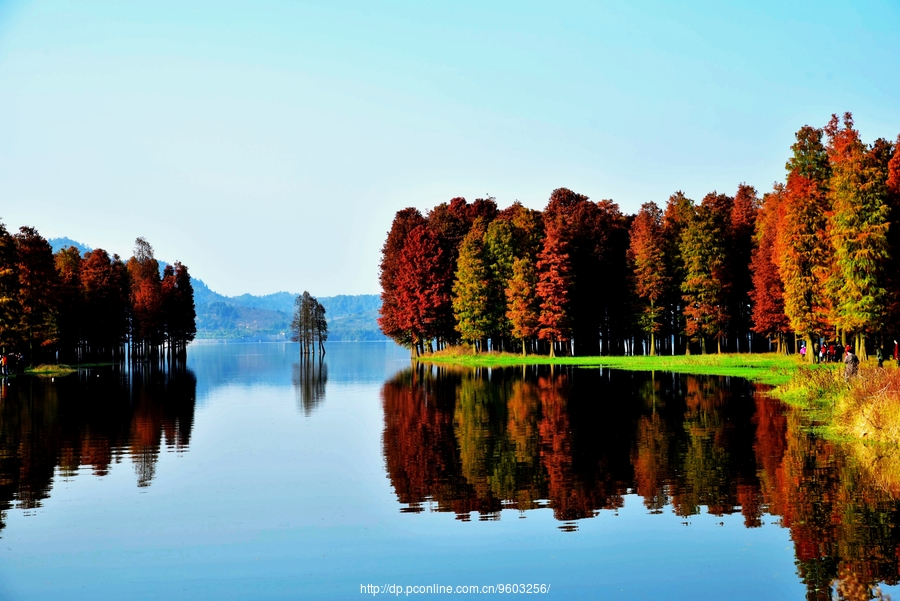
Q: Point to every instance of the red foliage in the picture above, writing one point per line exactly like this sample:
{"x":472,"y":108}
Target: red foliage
{"x":404,"y":222}
{"x":768,"y":292}
{"x":553,"y":287}
{"x":420,"y":291}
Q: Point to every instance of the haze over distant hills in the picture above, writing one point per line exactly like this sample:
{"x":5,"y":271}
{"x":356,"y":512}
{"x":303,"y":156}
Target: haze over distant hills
{"x":268,"y":317}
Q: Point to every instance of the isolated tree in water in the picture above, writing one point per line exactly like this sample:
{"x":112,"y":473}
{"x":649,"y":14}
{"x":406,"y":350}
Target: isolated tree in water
{"x":309,"y":326}
{"x":646,"y":254}
{"x":768,"y":290}
{"x":858,"y":231}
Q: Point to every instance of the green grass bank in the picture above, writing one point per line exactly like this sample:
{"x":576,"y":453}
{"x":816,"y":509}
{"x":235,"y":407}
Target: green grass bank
{"x":58,"y":369}
{"x":865,"y":409}
{"x":765,"y":368}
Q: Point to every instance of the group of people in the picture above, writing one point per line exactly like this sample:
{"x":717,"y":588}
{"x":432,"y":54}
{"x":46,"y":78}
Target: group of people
{"x":9,"y":363}
{"x":832,"y":352}
{"x":827,"y":352}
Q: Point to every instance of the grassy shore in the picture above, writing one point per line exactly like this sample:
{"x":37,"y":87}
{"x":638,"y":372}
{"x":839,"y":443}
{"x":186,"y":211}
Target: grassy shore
{"x":866,"y":409}
{"x":766,"y":368}
{"x":59,"y":369}
{"x":50,"y":369}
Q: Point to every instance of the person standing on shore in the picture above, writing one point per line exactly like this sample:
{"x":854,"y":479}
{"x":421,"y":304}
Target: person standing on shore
{"x":851,"y":364}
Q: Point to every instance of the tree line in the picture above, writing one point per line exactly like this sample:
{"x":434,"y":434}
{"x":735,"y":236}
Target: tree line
{"x":814,"y":259}
{"x":69,"y":307}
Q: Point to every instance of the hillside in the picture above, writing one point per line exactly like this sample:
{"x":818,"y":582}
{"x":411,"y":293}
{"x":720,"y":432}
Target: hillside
{"x":268,"y":317}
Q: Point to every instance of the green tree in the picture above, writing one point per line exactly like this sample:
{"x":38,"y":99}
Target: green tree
{"x":704,"y":288}
{"x":474,"y":293}
{"x":802,"y":249}
{"x":857,"y":230}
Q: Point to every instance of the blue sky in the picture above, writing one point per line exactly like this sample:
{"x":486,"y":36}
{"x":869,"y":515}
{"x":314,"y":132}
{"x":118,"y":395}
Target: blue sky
{"x":268,"y":144}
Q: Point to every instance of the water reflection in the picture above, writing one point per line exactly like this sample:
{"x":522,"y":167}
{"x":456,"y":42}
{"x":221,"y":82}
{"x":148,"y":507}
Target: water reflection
{"x":579,"y":440}
{"x":309,"y":378}
{"x":90,"y":419}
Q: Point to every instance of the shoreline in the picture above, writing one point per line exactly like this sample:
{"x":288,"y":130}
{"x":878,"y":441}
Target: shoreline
{"x":858,"y":411}
{"x":764,"y":368}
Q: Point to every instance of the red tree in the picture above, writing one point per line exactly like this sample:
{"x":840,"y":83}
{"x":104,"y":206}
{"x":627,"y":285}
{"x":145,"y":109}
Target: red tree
{"x":420,"y":292}
{"x":554,"y":282}
{"x":646,"y":254}
{"x":389,"y":321}
{"x":768,"y":291}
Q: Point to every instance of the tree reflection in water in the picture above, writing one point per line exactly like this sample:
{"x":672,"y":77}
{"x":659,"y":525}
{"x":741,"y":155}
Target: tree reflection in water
{"x":309,"y":378}
{"x":579,"y":440}
{"x":93,"y":418}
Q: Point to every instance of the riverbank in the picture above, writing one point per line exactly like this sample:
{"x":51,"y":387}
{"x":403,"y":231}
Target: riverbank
{"x":765,"y":368}
{"x":865,"y":409}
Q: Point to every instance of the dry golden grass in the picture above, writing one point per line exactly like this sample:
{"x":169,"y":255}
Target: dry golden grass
{"x":869,"y":407}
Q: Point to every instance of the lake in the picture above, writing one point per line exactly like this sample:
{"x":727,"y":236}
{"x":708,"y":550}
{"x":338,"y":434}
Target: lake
{"x":250,"y":474}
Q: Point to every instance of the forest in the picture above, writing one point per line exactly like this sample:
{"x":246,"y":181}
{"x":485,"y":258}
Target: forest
{"x":813,"y":260}
{"x":73,"y":307}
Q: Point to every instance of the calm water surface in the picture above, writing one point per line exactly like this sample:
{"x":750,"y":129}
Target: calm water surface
{"x":251,"y":474}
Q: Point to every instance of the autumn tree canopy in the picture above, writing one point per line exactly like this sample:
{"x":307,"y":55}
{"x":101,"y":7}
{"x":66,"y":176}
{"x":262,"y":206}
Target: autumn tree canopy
{"x":72,"y":307}
{"x":817,"y":259}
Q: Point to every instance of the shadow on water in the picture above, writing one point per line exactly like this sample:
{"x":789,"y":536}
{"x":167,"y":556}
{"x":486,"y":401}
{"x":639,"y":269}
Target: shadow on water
{"x":91,"y":419}
{"x":579,"y":440}
{"x":309,"y":378}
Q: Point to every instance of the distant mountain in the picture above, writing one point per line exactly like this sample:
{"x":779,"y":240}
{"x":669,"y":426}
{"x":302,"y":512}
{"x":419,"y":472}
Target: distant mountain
{"x":268,"y":317}
{"x":59,"y":243}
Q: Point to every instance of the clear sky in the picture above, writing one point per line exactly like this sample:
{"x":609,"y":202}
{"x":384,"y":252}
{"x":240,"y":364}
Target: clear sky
{"x":267,"y":145}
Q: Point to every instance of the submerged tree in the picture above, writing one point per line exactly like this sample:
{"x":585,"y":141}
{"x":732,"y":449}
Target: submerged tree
{"x":309,"y":326}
